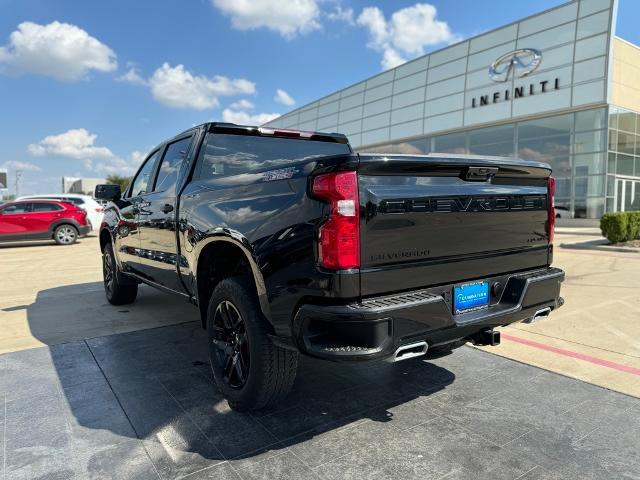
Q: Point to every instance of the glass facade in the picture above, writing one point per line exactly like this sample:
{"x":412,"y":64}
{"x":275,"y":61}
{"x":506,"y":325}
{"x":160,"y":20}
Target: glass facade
{"x":443,"y":91}
{"x":447,"y":101}
{"x":623,"y":162}
{"x":574,"y":144}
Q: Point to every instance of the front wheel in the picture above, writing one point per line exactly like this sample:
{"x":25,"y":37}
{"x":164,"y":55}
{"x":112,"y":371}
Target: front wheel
{"x":65,"y":235}
{"x":249,"y":369}
{"x":118,"y":289}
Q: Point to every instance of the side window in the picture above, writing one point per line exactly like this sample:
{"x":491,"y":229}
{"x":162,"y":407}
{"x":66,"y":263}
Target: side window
{"x":46,"y":207}
{"x":16,"y":209}
{"x":141,"y":184}
{"x":172,"y":161}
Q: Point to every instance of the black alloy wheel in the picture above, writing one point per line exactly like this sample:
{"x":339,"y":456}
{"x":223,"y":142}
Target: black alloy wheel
{"x":250,"y":370}
{"x":118,"y":289}
{"x":108,"y":274}
{"x":230,"y":344}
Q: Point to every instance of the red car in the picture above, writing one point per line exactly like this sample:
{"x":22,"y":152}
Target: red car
{"x":42,"y":220}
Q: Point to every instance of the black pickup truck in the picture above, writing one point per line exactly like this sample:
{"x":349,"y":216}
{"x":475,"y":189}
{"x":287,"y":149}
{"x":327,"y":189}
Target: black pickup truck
{"x":290,"y":243}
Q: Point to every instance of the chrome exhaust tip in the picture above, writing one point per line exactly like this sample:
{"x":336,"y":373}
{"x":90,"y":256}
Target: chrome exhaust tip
{"x":539,"y":315}
{"x":409,"y":351}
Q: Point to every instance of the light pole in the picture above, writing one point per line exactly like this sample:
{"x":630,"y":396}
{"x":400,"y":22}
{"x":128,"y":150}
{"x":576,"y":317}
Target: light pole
{"x":17,"y":184}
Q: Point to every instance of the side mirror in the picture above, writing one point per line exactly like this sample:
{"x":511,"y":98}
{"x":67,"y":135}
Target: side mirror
{"x":111,"y":193}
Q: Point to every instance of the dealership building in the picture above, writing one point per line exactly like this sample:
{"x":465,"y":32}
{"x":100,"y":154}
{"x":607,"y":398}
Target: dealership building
{"x":84,"y":186}
{"x":557,"y":87}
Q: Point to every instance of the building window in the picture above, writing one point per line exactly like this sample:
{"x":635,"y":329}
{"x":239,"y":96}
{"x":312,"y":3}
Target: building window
{"x":573,"y":144}
{"x":623,"y":161}
{"x":453,"y":143}
{"x":498,"y":141}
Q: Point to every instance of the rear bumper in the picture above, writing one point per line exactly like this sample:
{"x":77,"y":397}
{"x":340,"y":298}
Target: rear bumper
{"x":83,"y":231}
{"x":376,"y":327}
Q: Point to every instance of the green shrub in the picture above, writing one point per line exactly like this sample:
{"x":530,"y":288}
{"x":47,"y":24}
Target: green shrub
{"x":633,"y":227}
{"x":620,"y":226}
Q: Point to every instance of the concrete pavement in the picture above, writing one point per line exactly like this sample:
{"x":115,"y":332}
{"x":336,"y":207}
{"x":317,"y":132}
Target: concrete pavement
{"x":51,"y":295}
{"x":595,"y":336}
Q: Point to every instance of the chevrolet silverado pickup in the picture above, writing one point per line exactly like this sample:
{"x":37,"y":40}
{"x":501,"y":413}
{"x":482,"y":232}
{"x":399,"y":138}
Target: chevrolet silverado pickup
{"x":290,"y":243}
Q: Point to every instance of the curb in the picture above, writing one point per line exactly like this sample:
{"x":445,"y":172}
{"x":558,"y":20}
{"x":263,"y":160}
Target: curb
{"x":602,"y":248}
{"x":570,"y":231}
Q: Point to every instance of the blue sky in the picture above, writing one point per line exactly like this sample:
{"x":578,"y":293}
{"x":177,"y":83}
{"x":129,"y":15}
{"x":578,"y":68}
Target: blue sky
{"x":86,"y":88}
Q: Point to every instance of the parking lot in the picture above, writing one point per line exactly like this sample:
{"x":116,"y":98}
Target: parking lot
{"x":95,"y":391}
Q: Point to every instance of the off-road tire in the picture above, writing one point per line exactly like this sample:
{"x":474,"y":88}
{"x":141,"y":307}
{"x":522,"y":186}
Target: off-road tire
{"x":121,"y":290}
{"x":272,"y":369}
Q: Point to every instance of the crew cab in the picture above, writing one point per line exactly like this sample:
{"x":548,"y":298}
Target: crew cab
{"x":290,"y":243}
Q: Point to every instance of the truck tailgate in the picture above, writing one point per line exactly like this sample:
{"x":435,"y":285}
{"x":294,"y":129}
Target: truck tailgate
{"x":428,"y":220}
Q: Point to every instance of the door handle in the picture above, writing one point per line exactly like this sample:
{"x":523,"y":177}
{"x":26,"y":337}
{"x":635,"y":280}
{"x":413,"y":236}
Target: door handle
{"x":167,"y":208}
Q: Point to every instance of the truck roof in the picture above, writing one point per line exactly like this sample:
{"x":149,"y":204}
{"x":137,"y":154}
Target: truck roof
{"x":233,"y":129}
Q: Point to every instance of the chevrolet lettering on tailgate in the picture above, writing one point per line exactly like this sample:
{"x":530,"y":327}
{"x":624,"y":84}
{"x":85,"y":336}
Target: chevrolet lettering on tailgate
{"x":468,"y":204}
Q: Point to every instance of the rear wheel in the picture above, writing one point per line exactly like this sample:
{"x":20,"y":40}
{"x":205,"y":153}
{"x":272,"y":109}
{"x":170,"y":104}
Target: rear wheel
{"x":118,"y":289}
{"x":65,"y":234}
{"x":248,"y":368}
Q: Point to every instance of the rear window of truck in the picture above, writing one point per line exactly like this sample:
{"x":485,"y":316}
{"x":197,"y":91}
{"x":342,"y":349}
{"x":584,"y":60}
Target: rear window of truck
{"x":228,"y":154}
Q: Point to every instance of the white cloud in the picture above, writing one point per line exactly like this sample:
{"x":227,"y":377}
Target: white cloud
{"x":177,"y":87}
{"x":242,"y":104}
{"x":119,"y":166}
{"x":245,"y":118}
{"x":340,"y":14}
{"x":406,"y":34}
{"x":15,"y":165}
{"x":136,"y":157}
{"x":287,"y":17}
{"x":76,"y":143}
{"x":284,"y":98}
{"x":132,"y":77}
{"x":58,"y":50}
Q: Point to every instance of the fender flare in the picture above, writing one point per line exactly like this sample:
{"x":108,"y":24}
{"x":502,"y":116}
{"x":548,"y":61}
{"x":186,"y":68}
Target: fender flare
{"x":240,"y":241}
{"x":62,"y":221}
{"x":105,"y":227}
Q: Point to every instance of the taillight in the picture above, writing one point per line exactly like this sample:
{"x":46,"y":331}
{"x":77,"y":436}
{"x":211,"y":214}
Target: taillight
{"x":99,"y":209}
{"x":551,"y":224}
{"x":284,"y":133}
{"x":339,"y":239}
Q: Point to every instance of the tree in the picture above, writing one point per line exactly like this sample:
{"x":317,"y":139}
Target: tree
{"x":119,"y":180}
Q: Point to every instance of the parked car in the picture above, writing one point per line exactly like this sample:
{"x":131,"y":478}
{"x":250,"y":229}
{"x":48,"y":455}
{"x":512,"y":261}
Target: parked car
{"x":563,"y":212}
{"x":290,"y":243}
{"x":86,"y":202}
{"x":41,"y":220}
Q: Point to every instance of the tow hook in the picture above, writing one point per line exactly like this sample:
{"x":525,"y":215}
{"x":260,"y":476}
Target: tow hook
{"x":486,"y":337}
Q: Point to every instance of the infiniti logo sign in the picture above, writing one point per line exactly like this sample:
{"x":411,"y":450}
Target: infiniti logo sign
{"x":516,"y":64}
{"x":521,"y":62}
